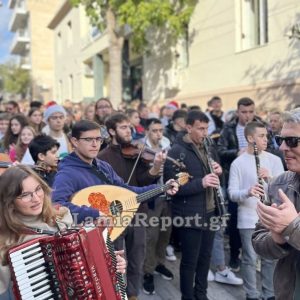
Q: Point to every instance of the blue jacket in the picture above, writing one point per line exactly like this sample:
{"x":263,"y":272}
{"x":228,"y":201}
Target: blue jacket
{"x":74,"y":175}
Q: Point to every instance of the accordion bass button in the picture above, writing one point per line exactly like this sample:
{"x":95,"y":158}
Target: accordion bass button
{"x":70,"y":292}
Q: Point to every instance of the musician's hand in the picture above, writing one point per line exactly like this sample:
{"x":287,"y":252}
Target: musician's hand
{"x":264,"y":173}
{"x":15,"y":163}
{"x":174,"y":187}
{"x":121,"y":262}
{"x":256,"y":191}
{"x":217,"y":168}
{"x":210,"y":180}
{"x":159,"y":160}
{"x":277,"y":218}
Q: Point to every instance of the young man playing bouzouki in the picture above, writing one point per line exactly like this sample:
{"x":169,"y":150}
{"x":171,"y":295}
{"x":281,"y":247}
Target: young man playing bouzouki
{"x":79,"y":170}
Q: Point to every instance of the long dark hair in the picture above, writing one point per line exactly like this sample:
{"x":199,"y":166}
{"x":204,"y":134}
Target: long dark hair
{"x":37,"y":127}
{"x":9,"y":137}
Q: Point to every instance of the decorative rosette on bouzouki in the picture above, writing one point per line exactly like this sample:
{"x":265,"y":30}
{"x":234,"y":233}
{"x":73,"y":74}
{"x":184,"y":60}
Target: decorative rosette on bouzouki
{"x":98,"y":201}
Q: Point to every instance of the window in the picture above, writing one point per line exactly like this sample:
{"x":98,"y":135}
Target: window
{"x":71,"y":87}
{"x":69,"y":34}
{"x":60,"y":90}
{"x":59,"y":43}
{"x":253,"y":23}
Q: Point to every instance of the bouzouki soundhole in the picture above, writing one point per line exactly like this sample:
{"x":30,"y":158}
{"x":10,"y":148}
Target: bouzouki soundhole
{"x":116,"y":208}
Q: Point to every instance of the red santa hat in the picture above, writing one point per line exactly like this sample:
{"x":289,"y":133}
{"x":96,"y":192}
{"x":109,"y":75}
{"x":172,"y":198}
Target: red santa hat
{"x":173,"y":104}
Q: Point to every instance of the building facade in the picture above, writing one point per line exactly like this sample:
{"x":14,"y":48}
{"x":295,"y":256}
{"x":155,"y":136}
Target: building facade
{"x":233,"y":49}
{"x":80,"y":67}
{"x":33,"y":43}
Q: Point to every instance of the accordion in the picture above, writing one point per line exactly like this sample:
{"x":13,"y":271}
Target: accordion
{"x":78,"y":264}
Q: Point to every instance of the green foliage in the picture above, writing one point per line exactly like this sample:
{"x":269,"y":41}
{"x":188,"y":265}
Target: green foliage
{"x":14,"y":79}
{"x":142,"y":16}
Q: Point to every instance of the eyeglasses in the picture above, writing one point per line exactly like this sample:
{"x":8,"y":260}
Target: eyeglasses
{"x":291,"y":141}
{"x":27,"y":197}
{"x":90,"y":140}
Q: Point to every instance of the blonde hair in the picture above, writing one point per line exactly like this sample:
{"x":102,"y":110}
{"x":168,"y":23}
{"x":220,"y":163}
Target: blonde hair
{"x":20,"y":147}
{"x":11,"y":186}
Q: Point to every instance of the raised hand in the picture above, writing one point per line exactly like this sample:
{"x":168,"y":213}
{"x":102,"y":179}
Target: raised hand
{"x":277,"y":218}
{"x":158,"y":162}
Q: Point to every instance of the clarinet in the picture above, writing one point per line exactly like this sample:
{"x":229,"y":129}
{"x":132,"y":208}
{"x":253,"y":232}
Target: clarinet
{"x":263,"y":198}
{"x":220,"y":198}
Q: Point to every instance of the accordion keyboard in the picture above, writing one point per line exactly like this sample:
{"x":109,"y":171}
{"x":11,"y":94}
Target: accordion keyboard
{"x":77,"y":264}
{"x":35,"y":273}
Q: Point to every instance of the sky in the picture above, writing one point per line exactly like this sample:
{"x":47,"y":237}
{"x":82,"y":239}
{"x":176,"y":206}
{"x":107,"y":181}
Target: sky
{"x":5,"y":35}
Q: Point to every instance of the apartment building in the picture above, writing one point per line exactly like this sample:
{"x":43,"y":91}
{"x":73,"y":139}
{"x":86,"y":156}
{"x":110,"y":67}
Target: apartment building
{"x":33,"y":43}
{"x":80,"y":66}
{"x":233,"y":49}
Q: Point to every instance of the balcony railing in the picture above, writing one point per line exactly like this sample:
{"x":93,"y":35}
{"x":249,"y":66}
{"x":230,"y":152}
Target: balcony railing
{"x":20,"y":42}
{"x":19,"y":16}
{"x":25,"y":62}
{"x":11,"y":3}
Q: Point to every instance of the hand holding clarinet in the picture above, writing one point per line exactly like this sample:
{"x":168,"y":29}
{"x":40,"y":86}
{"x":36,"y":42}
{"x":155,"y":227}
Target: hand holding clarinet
{"x":258,"y":189}
{"x":212,"y":179}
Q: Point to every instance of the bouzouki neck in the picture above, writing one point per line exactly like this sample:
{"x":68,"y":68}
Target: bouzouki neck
{"x":152,"y":193}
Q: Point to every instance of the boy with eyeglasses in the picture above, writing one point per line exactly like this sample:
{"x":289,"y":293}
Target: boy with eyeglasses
{"x":244,"y":189}
{"x":277,"y":235}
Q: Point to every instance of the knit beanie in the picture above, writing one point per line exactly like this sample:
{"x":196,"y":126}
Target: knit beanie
{"x":53,"y":109}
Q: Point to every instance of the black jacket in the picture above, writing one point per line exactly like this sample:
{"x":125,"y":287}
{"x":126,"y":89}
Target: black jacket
{"x":170,"y":132}
{"x":191,"y":197}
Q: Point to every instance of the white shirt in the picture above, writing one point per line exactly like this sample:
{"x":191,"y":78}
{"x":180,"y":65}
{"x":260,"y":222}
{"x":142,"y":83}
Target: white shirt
{"x":27,"y":158}
{"x":242,"y":177}
{"x":63,"y":149}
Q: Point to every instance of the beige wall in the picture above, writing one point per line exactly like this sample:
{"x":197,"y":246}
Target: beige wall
{"x":68,"y":57}
{"x":41,"y":47}
{"x":269,"y":73}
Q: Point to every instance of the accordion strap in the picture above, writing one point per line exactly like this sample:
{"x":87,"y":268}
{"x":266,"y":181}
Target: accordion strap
{"x":34,"y":230}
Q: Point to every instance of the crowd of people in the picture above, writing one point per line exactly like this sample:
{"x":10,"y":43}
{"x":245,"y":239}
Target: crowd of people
{"x":53,"y":151}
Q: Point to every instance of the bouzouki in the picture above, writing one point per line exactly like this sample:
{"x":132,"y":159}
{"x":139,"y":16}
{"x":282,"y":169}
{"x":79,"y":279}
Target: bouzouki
{"x":119,"y":203}
{"x":5,"y":162}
